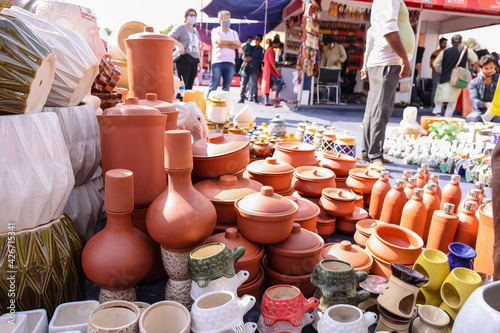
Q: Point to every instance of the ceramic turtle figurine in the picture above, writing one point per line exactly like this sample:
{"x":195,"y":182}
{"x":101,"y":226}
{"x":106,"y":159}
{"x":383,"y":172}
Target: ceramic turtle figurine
{"x":211,"y":261}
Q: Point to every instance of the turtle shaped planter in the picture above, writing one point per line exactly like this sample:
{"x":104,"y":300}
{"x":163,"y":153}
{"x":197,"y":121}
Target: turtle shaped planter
{"x":211,"y":261}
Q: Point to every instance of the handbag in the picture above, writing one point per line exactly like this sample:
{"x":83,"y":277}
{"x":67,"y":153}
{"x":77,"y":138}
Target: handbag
{"x":460,"y":76}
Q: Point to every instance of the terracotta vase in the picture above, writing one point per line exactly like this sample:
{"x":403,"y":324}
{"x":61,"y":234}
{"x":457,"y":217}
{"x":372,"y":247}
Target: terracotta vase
{"x":393,"y":203}
{"x":118,"y":266}
{"x":410,"y":187}
{"x":425,"y":168}
{"x":114,"y":316}
{"x":295,"y":154}
{"x":434,"y":177}
{"x":432,"y":203}
{"x":443,"y":227}
{"x":415,"y":213}
{"x":307,"y":215}
{"x":271,"y":172}
{"x":338,"y":163}
{"x":311,"y":180}
{"x":150,"y":64}
{"x":474,"y":196}
{"x":345,"y":251}
{"x":480,"y":186}
{"x":483,"y":263}
{"x":181,"y":217}
{"x":337,"y":202}
{"x":406,"y":175}
{"x":468,"y":224}
{"x":452,"y":193}
{"x":379,"y":191}
{"x":165,"y":108}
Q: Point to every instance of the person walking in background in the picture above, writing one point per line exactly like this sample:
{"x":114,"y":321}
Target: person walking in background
{"x":252,"y":72}
{"x":186,"y":37}
{"x":482,"y":88}
{"x":270,"y":74}
{"x":224,"y":42}
{"x":443,"y":42}
{"x":447,"y":60}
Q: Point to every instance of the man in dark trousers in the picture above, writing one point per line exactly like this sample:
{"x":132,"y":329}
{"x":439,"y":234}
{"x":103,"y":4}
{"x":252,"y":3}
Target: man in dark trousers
{"x":252,"y":71}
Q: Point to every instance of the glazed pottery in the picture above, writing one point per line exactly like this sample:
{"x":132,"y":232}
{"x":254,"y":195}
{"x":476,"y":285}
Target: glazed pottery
{"x":296,"y":255}
{"x":165,"y":108}
{"x":261,"y":149}
{"x":18,"y":324}
{"x":118,"y":266}
{"x":400,"y":295}
{"x":337,"y":282}
{"x":271,"y":172}
{"x":345,"y":318}
{"x":124,"y":131}
{"x":338,"y":163}
{"x":347,"y":224}
{"x":468,"y":224}
{"x":364,"y":229}
{"x":460,"y":255}
{"x":432,"y":203}
{"x":277,"y":127}
{"x":114,"y":316}
{"x":220,"y":311}
{"x":457,"y":287}
{"x":307,"y":215}
{"x":362,"y":180}
{"x":311,"y":180}
{"x":295,"y":154}
{"x":414,"y":213}
{"x":379,"y":191}
{"x":394,"y":243}
{"x":273,"y":278}
{"x":429,"y":297}
{"x":337,"y":202}
{"x":421,"y":178}
{"x":394,"y":202}
{"x":150,"y":64}
{"x":452,"y":193}
{"x":284,"y":326}
{"x":285,"y":303}
{"x":265,"y":217}
{"x":485,"y":237}
{"x":179,"y":291}
{"x":345,"y":144}
{"x":220,"y":154}
{"x":181,"y":217}
{"x":72,"y":316}
{"x":434,"y":178}
{"x":345,"y":251}
{"x":252,"y":287}
{"x":224,"y":192}
{"x":430,"y":320}
{"x":434,"y":265}
{"x":410,"y":187}
{"x":481,"y":311}
{"x":165,"y":317}
{"x":36,"y":321}
{"x":391,"y":323}
{"x":222,"y":283}
{"x":211,"y":261}
{"x":443,"y":227}
{"x":216,"y":110}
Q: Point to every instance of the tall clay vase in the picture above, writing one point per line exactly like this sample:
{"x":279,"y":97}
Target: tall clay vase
{"x":415,"y":213}
{"x":468,"y":224}
{"x":452,"y":193}
{"x":379,"y":191}
{"x":150,"y":64}
{"x":393,"y":203}
{"x":119,"y":256}
{"x":443,"y":227}
{"x":432,"y":203}
{"x":483,"y":263}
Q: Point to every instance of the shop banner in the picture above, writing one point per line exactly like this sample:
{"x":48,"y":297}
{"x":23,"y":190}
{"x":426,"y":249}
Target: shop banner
{"x":467,"y":5}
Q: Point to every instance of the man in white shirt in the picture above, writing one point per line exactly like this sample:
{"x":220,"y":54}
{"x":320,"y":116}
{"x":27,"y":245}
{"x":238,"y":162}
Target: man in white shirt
{"x":224,"y":42}
{"x":393,"y":46}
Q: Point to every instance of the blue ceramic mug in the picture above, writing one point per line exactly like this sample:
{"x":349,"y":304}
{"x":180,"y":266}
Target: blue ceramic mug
{"x":460,"y":255}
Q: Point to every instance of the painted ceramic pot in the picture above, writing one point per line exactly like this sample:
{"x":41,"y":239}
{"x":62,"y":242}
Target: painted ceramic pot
{"x":430,"y":320}
{"x":271,"y":172}
{"x":153,"y":319}
{"x":211,"y":261}
{"x":391,"y":323}
{"x":307,"y":215}
{"x":347,"y":224}
{"x":114,"y":316}
{"x":277,"y":127}
{"x":485,"y":237}
{"x":345,"y":318}
{"x":337,"y":202}
{"x":19,"y":325}
{"x":252,"y":287}
{"x":434,"y":265}
{"x":295,"y":154}
{"x":338,"y":163}
{"x":220,"y":154}
{"x":222,"y":283}
{"x":310,"y":180}
{"x":457,"y":287}
{"x":364,"y":229}
{"x":362,"y":180}
{"x":285,"y":303}
{"x":273,"y":278}
{"x":165,"y":108}
{"x":284,"y":326}
{"x":261,"y":149}
{"x":345,"y":251}
{"x":72,"y":316}
{"x":461,"y":255}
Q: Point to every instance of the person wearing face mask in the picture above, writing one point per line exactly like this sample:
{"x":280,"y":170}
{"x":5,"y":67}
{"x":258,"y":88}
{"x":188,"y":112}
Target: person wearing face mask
{"x":483,"y":87}
{"x":186,"y":37}
{"x":224,"y":42}
{"x":334,"y":55}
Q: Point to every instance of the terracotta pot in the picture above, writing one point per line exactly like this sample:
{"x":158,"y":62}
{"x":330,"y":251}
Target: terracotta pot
{"x":468,"y":224}
{"x":452,"y":193}
{"x":286,"y":193}
{"x":154,"y":318}
{"x":338,"y":163}
{"x":165,"y":108}
{"x":150,"y":64}
{"x":360,"y":199}
{"x":272,"y":278}
{"x":434,"y":178}
{"x":379,"y":191}
{"x":415,"y":213}
{"x":410,"y":187}
{"x":394,"y":202}
{"x":296,"y":255}
{"x":220,"y":154}
{"x":295,"y":154}
{"x":261,"y":149}
{"x":347,"y":224}
{"x":307,"y":215}
{"x":326,"y":224}
{"x":341,"y":182}
{"x":265,"y":217}
{"x":310,"y":181}
{"x":252,"y":287}
{"x":362,"y":180}
{"x":485,"y":237}
{"x":114,"y":316}
{"x":432,"y":203}
{"x":364,"y":229}
{"x":443,"y":227}
{"x":271,"y":172}
{"x":345,"y":251}
{"x":421,"y":178}
{"x":395,"y":244}
{"x":337,"y":202}
{"x":380,"y":267}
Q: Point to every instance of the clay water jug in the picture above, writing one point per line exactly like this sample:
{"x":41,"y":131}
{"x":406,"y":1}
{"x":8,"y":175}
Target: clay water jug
{"x":379,"y":191}
{"x":452,"y":193}
{"x":406,"y":175}
{"x":410,"y":187}
{"x":468,"y":224}
{"x":435,"y":179}
{"x":394,"y":202}
{"x":480,"y":186}
{"x":432,"y":203}
{"x":473,"y":195}
{"x":427,"y":176}
{"x":181,"y":218}
{"x":443,"y":227}
{"x":415,"y":213}
{"x":420,"y":175}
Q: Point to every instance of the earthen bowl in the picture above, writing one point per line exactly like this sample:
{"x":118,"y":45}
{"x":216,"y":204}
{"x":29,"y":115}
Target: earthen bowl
{"x":362,"y":180}
{"x":294,"y":153}
{"x":381,"y":267}
{"x":338,"y":163}
{"x":364,"y":229}
{"x":273,"y":278}
{"x":337,"y":202}
{"x":311,"y":180}
{"x":271,"y":172}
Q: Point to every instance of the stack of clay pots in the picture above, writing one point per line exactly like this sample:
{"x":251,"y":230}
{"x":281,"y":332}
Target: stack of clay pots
{"x":340,"y":164}
{"x":272,"y":172}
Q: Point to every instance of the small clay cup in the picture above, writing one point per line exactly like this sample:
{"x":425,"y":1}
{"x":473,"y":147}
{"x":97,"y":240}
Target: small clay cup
{"x":114,"y":316}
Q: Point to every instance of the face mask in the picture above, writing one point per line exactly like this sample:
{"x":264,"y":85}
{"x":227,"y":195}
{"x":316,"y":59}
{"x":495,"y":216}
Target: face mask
{"x":226,"y":23}
{"x":191,"y":20}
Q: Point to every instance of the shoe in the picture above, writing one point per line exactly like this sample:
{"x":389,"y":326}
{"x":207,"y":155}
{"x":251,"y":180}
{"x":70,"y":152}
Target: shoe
{"x":250,"y":100}
{"x":386,"y":161}
{"x":267,"y":104}
{"x":277,"y":100}
{"x":242,"y":100}
{"x":257,"y":101}
{"x":365,"y":158}
{"x":278,"y":106}
{"x":436,"y":112}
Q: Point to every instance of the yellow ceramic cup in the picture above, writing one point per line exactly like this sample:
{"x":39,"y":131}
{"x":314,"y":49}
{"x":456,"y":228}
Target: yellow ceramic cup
{"x":429,"y":297}
{"x":458,"y":286}
{"x":435,"y":266}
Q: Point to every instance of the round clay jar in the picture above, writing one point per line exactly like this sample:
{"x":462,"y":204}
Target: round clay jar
{"x":338,"y":163}
{"x":362,"y":180}
{"x":308,"y":213}
{"x":311,"y":180}
{"x":337,"y":202}
{"x":294,"y":153}
{"x":345,"y":251}
{"x":271,"y":172}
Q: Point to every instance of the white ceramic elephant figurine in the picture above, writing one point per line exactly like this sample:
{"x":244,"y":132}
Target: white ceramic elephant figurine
{"x":192,"y":119}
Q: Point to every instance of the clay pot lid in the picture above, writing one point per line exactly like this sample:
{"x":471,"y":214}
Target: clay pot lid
{"x":408,"y":275}
{"x":366,"y":226}
{"x":325,"y":218}
{"x":299,"y":242}
{"x":227,"y":188}
{"x":294,"y":147}
{"x":270,"y":166}
{"x":152,"y":100}
{"x":266,"y":203}
{"x":364,"y":174}
{"x":216,"y":101}
{"x":338,"y":194}
{"x":131,"y":108}
{"x":232,"y":238}
{"x":149,"y":33}
{"x":307,"y":209}
{"x":338,"y":157}
{"x":314,"y":173}
{"x":219,"y":144}
{"x":345,"y":251}
{"x":358,"y":214}
{"x":277,"y":120}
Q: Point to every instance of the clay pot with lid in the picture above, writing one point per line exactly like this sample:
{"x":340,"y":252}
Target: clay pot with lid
{"x":364,"y":229}
{"x":261,"y":149}
{"x":265,"y":217}
{"x":338,"y":163}
{"x":271,"y":172}
{"x":347,"y":224}
{"x":311,"y":180}
{"x":414,"y":213}
{"x":379,"y":191}
{"x":337,"y":202}
{"x":220,"y":154}
{"x":165,"y":108}
{"x":272,"y":278}
{"x":307,"y":215}
{"x":362,"y":180}
{"x":150,"y":64}
{"x":224,"y":192}
{"x":345,"y":251}
{"x":410,"y":187}
{"x":295,"y":154}
{"x":452,"y":193}
{"x":296,"y":255}
{"x":394,"y":202}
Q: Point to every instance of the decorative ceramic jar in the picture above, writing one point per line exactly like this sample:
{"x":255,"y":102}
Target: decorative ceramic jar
{"x":307,"y":215}
{"x":273,"y":278}
{"x":468,"y":224}
{"x":295,"y":154}
{"x":391,"y":323}
{"x":301,"y":127}
{"x":347,"y":224}
{"x":271,"y":172}
{"x":216,"y":110}
{"x":452,"y":193}
{"x":338,"y":163}
{"x":284,"y":326}
{"x":434,"y":265}
{"x":277,"y":127}
{"x":432,"y":202}
{"x":394,"y":202}
{"x":165,"y":316}
{"x":379,"y":191}
{"x":364,"y":229}
{"x":345,"y":318}
{"x":457,"y":287}
{"x":362,"y":180}
{"x":261,"y":149}
{"x":443,"y":227}
{"x":430,"y":319}
{"x":72,"y":316}
{"x":231,"y":284}
{"x":166,"y":108}
{"x":345,"y":144}
{"x":414,"y":213}
{"x":461,"y":255}
{"x":485,"y":237}
{"x":114,"y":316}
{"x":337,"y":202}
{"x":345,"y":251}
{"x":311,"y":180}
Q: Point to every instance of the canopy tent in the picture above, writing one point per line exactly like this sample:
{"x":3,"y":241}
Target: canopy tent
{"x":243,"y":29}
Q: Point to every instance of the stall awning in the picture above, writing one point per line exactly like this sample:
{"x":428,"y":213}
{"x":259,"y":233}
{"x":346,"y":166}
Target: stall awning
{"x":248,"y":9}
{"x":243,"y":30}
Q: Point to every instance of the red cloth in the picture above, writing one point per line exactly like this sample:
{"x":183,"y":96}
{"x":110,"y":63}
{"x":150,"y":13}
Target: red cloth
{"x":269,"y":60}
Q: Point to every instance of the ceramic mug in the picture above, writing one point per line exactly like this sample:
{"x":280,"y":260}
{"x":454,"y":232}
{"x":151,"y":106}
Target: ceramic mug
{"x":345,"y":318}
{"x":165,"y":316}
{"x":114,"y":316}
{"x":434,"y":265}
{"x":430,"y":320}
{"x":284,"y":326}
{"x":457,"y":287}
{"x":222,"y":283}
{"x":460,"y":255}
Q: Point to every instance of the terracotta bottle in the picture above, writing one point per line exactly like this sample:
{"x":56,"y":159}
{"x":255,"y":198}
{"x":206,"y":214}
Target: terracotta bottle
{"x":406,"y":175}
{"x":393,"y":203}
{"x":434,"y":177}
{"x":452,"y":193}
{"x":119,"y":256}
{"x":480,"y":186}
{"x":410,"y":187}
{"x":420,"y":178}
{"x":443,"y":227}
{"x":468,"y":224}
{"x":379,"y":191}
{"x":427,"y":176}
{"x":181,"y":218}
{"x":432,"y":203}
{"x":415,"y":213}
